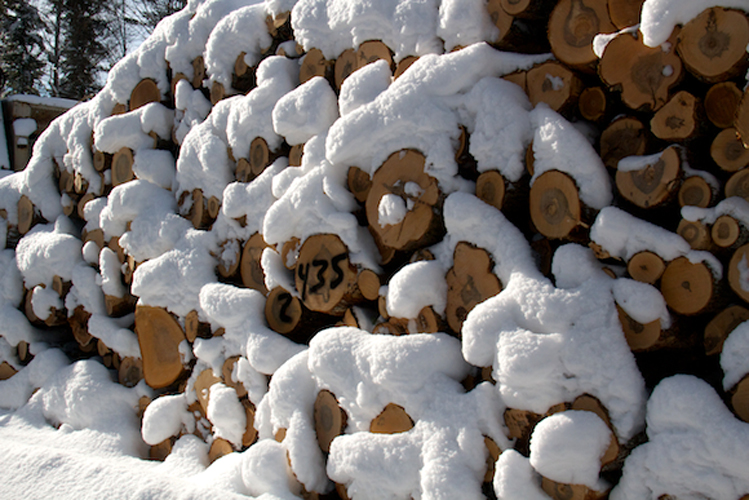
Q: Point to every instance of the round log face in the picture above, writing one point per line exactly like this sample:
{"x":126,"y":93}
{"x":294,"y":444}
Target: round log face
{"x":203,"y":384}
{"x":713,"y":44}
{"x":686,"y":287}
{"x":695,"y":192}
{"x":555,"y":204}
{"x":144,"y":93}
{"x":159,"y":337}
{"x":372,"y":51}
{"x":490,"y":188}
{"x":592,"y":103}
{"x":639,"y":337}
{"x":718,"y":329}
{"x":645,"y":75}
{"x":329,"y":419}
{"x":626,"y":136}
{"x":403,"y":65}
{"x":677,"y":120}
{"x":654,"y":184}
{"x":554,"y":84}
{"x":259,"y":155}
{"x":738,"y":185}
{"x":721,"y":103}
{"x":403,"y":175}
{"x":324,"y":273}
{"x":283,"y":311}
{"x":314,"y":64}
{"x":392,"y":420}
{"x":346,"y":64}
{"x":738,"y":272}
{"x":728,"y":151}
{"x":250,"y":269}
{"x":740,"y":399}
{"x":725,"y":231}
{"x":470,"y":281}
{"x":646,"y":267}
{"x":625,"y":13}
{"x":573,"y":25}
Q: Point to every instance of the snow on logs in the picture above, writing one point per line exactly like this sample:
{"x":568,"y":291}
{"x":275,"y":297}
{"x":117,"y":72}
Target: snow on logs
{"x":222,"y":240}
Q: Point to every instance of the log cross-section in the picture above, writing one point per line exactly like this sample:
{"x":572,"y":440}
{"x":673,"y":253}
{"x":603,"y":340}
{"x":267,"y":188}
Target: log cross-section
{"x":392,"y":420}
{"x":573,"y":25}
{"x":324,"y":277}
{"x":555,"y":206}
{"x":159,"y":337}
{"x":470,"y":281}
{"x":402,"y":176}
{"x":653,"y":185}
{"x":330,"y":419}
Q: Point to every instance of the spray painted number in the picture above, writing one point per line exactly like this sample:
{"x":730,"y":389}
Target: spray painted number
{"x":313,"y":276}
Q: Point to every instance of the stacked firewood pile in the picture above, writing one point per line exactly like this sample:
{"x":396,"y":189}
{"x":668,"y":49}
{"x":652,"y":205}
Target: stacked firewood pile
{"x":670,"y":125}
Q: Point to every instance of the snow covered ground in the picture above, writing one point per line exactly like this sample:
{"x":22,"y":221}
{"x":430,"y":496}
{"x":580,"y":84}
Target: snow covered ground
{"x":69,"y":430}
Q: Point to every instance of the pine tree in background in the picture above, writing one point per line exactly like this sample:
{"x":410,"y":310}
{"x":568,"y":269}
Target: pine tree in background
{"x":21,"y":60}
{"x":150,"y":12}
{"x":83,"y":50}
{"x":53,"y":20}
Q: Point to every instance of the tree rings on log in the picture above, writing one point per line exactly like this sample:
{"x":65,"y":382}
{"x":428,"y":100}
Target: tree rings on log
{"x":688,"y":288}
{"x":392,"y":420}
{"x":369,"y":284}
{"x":625,"y":13}
{"x":243,"y":173}
{"x":740,"y":399}
{"x":122,"y":166}
{"x":695,"y":192}
{"x":738,"y":184}
{"x":728,"y":151}
{"x":646,"y":267}
{"x":679,"y":119}
{"x":644,"y":75}
{"x":130,"y":371}
{"x":313,"y":64}
{"x":330,"y":419}
{"x":555,"y":207}
{"x":593,"y":103}
{"x":371,"y":51}
{"x":251,"y":269}
{"x":554,"y":84}
{"x":359,"y":183}
{"x":324,"y":277}
{"x":26,"y":215}
{"x":713,"y":44}
{"x":144,"y":93}
{"x":490,"y":188}
{"x":640,"y":337}
{"x":718,"y":329}
{"x":403,"y":181}
{"x":346,"y":64}
{"x":653,"y":185}
{"x":159,"y":337}
{"x":260,"y":156}
{"x":738,"y":272}
{"x":470,"y":281}
{"x":102,"y":161}
{"x":403,"y":65}
{"x":726,"y":232}
{"x":572,"y":26}
{"x":625,"y":136}
{"x":721,"y":103}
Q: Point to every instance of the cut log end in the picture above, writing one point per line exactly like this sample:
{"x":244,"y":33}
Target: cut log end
{"x":330,"y":419}
{"x":392,"y":420}
{"x":283,"y":311}
{"x":640,"y":337}
{"x":696,"y":234}
{"x":718,"y":329}
{"x":725,"y":231}
{"x":26,"y":214}
{"x":324,"y":276}
{"x":144,"y":93}
{"x":359,"y":183}
{"x":695,"y":192}
{"x":159,"y":336}
{"x":737,"y":272}
{"x":721,"y":103}
{"x":678,"y":119}
{"x":555,"y":205}
{"x":738,"y":185}
{"x":592,"y":103}
{"x":646,"y":267}
{"x":625,"y":136}
{"x":260,"y":156}
{"x":653,"y":185}
{"x":490,"y":188}
{"x":251,"y":269}
{"x":471,"y":280}
{"x":346,"y":64}
{"x":554,"y":84}
{"x":728,"y":151}
{"x":122,"y":166}
{"x":371,"y":51}
{"x":313,"y":64}
{"x":572,"y":26}
{"x":687,"y":288}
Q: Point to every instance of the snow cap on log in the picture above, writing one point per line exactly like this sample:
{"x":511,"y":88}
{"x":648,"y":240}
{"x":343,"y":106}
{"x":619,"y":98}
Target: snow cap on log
{"x":363,"y":86}
{"x":306,"y":111}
